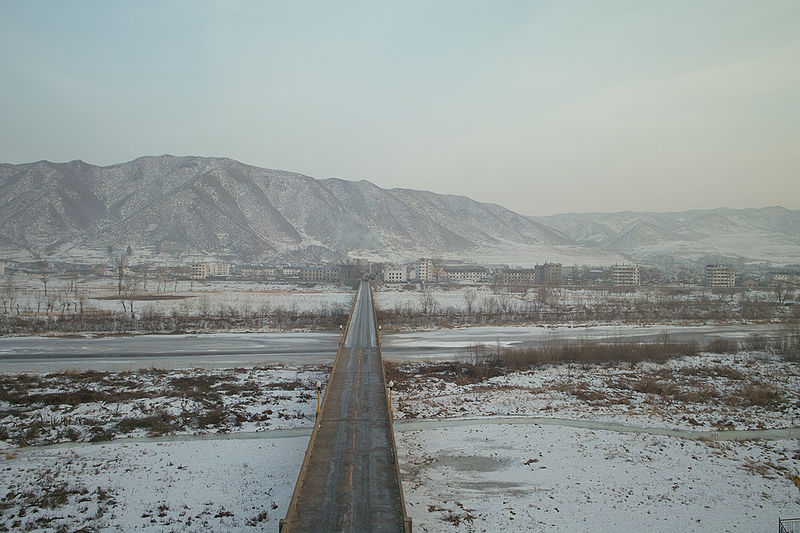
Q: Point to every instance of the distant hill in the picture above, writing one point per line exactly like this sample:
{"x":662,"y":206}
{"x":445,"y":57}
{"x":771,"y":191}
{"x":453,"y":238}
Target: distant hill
{"x":185,"y":205}
{"x":179,"y":207}
{"x":740,"y":236}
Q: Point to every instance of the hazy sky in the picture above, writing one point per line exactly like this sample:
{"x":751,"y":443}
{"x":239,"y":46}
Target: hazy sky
{"x":542,"y":107}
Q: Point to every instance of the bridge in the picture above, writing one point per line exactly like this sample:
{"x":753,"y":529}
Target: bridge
{"x":349,"y":480}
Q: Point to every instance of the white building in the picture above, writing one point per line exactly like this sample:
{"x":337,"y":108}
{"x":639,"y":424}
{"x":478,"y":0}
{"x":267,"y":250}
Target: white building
{"x":626,"y":275}
{"x":425,"y":271}
{"x":468,"y":274}
{"x":206,"y":270}
{"x":720,"y":276}
{"x":395,"y":274}
{"x":258,"y":272}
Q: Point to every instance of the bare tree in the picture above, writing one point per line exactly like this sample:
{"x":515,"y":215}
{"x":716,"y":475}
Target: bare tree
{"x":9,"y":294}
{"x":782,"y":292}
{"x":44,"y":274}
{"x":427,"y":301}
{"x":119,"y":262}
{"x":469,"y":300}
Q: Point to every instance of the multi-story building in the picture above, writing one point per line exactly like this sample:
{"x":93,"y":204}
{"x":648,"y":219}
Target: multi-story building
{"x":425,"y":272}
{"x":549,"y":274}
{"x":720,"y":276}
{"x":520,"y":277}
{"x":789,"y":278}
{"x":207,"y":270}
{"x":395,"y":274}
{"x":258,"y":272}
{"x":329,"y":274}
{"x":467,"y":273}
{"x":626,"y":275}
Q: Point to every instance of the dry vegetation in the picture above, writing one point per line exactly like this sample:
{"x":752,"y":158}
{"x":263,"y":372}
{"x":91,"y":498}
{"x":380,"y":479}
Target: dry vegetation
{"x":543,"y":305}
{"x":98,"y":406}
{"x":716,"y":387}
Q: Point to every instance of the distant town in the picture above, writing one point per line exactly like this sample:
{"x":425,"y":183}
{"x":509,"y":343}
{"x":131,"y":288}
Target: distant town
{"x":424,"y":271}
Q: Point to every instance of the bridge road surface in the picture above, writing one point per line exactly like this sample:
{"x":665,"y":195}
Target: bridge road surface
{"x":349,"y":481}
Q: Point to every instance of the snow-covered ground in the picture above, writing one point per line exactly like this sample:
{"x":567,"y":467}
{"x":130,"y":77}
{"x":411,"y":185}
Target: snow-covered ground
{"x":707,"y":391}
{"x":546,"y":478}
{"x":464,"y":468}
{"x":457,"y":298}
{"x":100,"y":293}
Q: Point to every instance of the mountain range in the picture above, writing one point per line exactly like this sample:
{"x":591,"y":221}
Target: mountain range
{"x":184,"y":206}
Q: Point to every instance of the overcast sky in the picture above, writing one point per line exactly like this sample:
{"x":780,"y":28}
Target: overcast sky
{"x":542,"y":107}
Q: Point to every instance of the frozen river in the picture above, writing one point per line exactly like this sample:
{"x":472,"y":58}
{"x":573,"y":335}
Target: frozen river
{"x":48,"y":354}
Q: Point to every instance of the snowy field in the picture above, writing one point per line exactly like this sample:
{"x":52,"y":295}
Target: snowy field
{"x":170,"y":297}
{"x":457,"y":298}
{"x":605,"y":448}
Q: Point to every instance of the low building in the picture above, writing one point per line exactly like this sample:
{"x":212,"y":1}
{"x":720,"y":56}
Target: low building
{"x":258,"y":272}
{"x":786,"y":278}
{"x":467,"y":273}
{"x":626,"y":275}
{"x":395,"y":274}
{"x":2,"y":268}
{"x":519,"y":277}
{"x":208,"y":270}
{"x":322,"y":274}
{"x":720,"y":276}
{"x":549,"y":274}
{"x":289,"y":271}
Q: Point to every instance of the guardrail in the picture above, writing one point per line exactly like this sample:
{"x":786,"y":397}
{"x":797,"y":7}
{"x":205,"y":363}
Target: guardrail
{"x":307,"y":457}
{"x":788,"y":525}
{"x":406,"y":519}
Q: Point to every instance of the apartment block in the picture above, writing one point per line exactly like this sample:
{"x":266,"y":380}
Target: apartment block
{"x":549,"y":274}
{"x":207,"y":270}
{"x":626,"y":275}
{"x":720,"y":276}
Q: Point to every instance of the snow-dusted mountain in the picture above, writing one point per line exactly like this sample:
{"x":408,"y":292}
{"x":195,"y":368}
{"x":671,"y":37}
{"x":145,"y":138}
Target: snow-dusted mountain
{"x":172,"y":206}
{"x":771,"y":234}
{"x":221,"y":206}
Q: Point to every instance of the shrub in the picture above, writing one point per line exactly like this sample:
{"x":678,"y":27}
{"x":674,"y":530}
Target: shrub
{"x":722,"y":346}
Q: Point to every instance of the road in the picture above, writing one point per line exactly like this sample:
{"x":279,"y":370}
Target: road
{"x":349,"y":481}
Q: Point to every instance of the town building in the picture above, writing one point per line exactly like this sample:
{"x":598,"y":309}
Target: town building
{"x":786,"y":278}
{"x":520,"y":277}
{"x":720,"y":276}
{"x":626,"y":275}
{"x":2,"y":268}
{"x":466,"y":274}
{"x":395,"y":274}
{"x":327,"y":274}
{"x":258,"y":272}
{"x":208,"y":270}
{"x":549,"y":274}
{"x":425,"y":271}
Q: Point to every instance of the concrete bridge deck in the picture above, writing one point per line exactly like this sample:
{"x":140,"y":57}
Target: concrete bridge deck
{"x":349,"y":480}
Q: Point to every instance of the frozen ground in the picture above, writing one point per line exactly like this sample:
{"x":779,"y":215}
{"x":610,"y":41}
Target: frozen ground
{"x":545,"y":478}
{"x":184,"y":297}
{"x":464,"y":468}
{"x":708,"y":391}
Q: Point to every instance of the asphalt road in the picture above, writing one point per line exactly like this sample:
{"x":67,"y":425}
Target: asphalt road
{"x":349,"y":481}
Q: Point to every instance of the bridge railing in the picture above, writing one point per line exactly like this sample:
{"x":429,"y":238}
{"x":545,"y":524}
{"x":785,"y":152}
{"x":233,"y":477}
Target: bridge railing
{"x":301,"y":477}
{"x":788,"y":525}
{"x":406,"y":519}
